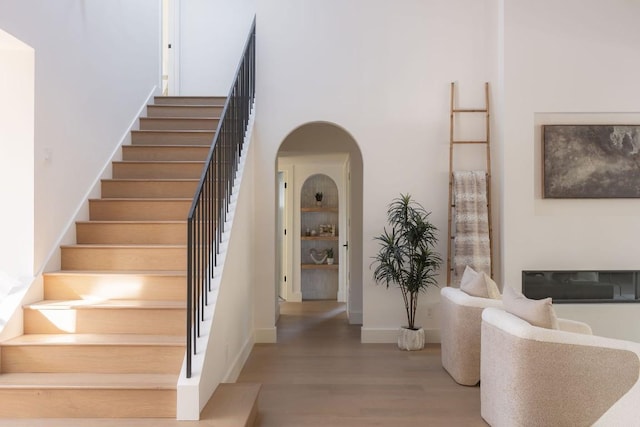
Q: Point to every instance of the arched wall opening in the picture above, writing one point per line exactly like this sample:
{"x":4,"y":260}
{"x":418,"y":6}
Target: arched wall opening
{"x":312,"y":148}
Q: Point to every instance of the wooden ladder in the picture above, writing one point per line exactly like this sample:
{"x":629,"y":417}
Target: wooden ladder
{"x":452,"y":142}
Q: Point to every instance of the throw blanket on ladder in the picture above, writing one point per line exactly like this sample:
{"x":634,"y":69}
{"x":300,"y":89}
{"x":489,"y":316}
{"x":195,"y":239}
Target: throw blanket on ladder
{"x":471,"y":244}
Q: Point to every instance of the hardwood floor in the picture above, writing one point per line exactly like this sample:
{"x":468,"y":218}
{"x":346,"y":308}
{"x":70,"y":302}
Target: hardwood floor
{"x":319,"y":374}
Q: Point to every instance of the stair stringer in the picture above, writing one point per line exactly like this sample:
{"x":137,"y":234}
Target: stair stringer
{"x":227,"y":334}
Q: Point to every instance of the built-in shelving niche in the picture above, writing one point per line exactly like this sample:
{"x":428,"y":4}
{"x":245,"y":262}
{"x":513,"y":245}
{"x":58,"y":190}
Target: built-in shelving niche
{"x":319,"y":232}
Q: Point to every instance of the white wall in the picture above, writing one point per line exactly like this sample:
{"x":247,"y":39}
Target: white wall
{"x":17,"y":68}
{"x":381,"y":71}
{"x":16,"y":159}
{"x":212,"y":35}
{"x":574,"y":62}
{"x":95,"y":64}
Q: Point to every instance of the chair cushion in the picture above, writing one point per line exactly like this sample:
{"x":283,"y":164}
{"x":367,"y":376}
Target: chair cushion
{"x":537,"y":312}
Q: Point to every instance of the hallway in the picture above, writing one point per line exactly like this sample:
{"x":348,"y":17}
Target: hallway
{"x":319,"y":374}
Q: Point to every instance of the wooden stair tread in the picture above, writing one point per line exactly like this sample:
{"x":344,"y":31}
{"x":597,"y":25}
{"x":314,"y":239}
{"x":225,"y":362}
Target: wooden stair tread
{"x":171,"y":138}
{"x":151,"y":162}
{"x":183,"y":117}
{"x":121,"y":246}
{"x":142,"y":199}
{"x":150,"y":146}
{"x":188,"y":100}
{"x":184,"y":105}
{"x":233,"y":404}
{"x":134,"y":222}
{"x":165,"y":131}
{"x":110,"y":273}
{"x":105,"y":304}
{"x":194,"y":119}
{"x":165,"y":180}
{"x":96,"y":339}
{"x":88,"y":381}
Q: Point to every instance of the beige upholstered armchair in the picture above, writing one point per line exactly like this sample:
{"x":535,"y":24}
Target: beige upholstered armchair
{"x":461,"y":317}
{"x":532,"y":376}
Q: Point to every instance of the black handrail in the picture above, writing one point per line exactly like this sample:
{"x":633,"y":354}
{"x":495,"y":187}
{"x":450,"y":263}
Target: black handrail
{"x":210,"y":206}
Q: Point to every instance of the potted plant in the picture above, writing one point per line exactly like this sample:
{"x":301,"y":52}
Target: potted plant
{"x":406,"y":258}
{"x":330,"y":256}
{"x":319,"y":198}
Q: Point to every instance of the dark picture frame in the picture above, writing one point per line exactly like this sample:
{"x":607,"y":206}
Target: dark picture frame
{"x":590,"y":161}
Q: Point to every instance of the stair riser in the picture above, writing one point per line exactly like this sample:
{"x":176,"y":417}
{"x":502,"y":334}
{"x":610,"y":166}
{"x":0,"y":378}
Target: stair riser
{"x":124,"y":259}
{"x":159,"y":123}
{"x":189,"y":100}
{"x":159,"y":153}
{"x":160,"y":170}
{"x":183,"y":111}
{"x":104,"y":321}
{"x":139,"y":210}
{"x":155,"y":288}
{"x":150,"y":189}
{"x":131,"y":233}
{"x":87,"y":403}
{"x":92,"y":359}
{"x":171,"y":138}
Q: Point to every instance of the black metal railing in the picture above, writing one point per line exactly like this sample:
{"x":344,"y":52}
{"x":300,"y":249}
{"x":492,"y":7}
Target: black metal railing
{"x":210,"y":205}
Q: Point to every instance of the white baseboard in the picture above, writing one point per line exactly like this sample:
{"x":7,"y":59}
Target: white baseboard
{"x":238,"y":363}
{"x":294,"y":297}
{"x":390,"y":335}
{"x":266,"y":335}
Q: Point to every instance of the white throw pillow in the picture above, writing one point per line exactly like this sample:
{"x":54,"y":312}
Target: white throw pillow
{"x":480,"y":286}
{"x":537,"y":312}
{"x":468,"y":275}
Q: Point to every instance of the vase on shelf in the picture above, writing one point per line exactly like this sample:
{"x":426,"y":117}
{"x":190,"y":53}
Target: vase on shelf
{"x":329,"y":253}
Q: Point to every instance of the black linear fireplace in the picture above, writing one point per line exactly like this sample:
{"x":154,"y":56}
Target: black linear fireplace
{"x":582,"y":285}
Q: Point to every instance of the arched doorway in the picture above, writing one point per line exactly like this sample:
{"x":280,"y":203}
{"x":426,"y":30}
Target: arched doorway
{"x":316,"y":149}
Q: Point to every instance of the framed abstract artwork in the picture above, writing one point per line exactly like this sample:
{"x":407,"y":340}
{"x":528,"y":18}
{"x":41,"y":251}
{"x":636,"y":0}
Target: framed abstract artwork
{"x":591,"y":161}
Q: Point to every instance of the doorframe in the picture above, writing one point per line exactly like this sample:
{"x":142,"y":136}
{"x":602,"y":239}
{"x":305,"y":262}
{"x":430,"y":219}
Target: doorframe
{"x":285,"y":240}
{"x":301,"y":167}
{"x":344,"y":247}
{"x":171,"y":18}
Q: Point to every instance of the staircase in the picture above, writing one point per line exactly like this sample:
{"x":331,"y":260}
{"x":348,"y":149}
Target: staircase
{"x":108,"y":340}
